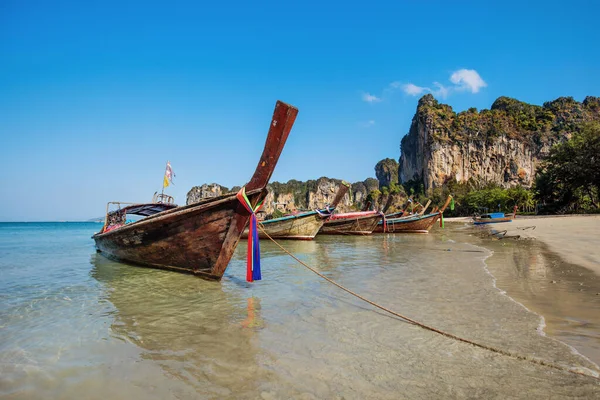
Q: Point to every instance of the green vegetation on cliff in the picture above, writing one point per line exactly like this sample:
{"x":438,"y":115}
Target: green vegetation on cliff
{"x":478,"y":156}
{"x":386,"y":171}
{"x":568,"y":181}
{"x":298,"y":189}
{"x":511,"y":117}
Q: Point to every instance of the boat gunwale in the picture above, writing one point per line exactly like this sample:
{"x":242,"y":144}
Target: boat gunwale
{"x":201,"y":206}
{"x":287,"y":217}
{"x":352,"y":218}
{"x":410,"y":218}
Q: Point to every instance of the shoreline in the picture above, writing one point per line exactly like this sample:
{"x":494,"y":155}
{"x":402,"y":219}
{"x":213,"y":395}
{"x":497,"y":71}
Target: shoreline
{"x":583,"y":352}
{"x":549,"y":283}
{"x":575,"y":238}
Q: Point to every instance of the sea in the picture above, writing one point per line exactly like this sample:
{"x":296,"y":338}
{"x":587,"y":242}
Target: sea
{"x":76,"y":325}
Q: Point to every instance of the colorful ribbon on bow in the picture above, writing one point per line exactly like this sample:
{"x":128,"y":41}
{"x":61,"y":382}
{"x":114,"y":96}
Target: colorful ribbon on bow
{"x":325,"y":213}
{"x":253,"y":256}
{"x":442,"y":220}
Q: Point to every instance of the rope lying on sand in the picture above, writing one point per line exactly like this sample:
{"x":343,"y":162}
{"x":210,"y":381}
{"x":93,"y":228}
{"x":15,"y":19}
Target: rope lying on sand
{"x":503,"y":235}
{"x":430,"y":328}
{"x":532,"y":227}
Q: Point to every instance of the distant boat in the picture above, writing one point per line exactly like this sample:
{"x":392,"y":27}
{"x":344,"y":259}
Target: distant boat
{"x":415,"y":223}
{"x":416,"y":208}
{"x":494,"y":218}
{"x":197,"y":238}
{"x":302,"y":226}
{"x":353,"y":223}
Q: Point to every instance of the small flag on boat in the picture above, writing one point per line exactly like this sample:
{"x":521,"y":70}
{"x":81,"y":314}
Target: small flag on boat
{"x":169,"y":175}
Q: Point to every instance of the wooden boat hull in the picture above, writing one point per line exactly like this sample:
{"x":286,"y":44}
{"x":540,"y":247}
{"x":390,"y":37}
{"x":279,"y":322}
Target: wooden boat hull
{"x":351,"y":226}
{"x":197,"y":239}
{"x":418,"y":224}
{"x":300,"y":227}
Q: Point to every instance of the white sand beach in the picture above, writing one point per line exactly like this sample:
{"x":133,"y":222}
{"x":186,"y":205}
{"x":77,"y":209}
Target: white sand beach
{"x":575,"y":238}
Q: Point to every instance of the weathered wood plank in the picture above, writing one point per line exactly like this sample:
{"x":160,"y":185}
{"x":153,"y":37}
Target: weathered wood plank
{"x":351,"y":226}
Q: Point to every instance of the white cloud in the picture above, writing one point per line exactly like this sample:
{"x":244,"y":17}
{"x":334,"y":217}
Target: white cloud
{"x":370,"y":98}
{"x":467,"y":79}
{"x":462,"y":80}
{"x":441,"y":91}
{"x":411,"y":89}
{"x":368,"y":124}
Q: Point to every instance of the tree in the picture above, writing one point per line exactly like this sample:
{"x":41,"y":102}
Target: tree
{"x":570,"y":176}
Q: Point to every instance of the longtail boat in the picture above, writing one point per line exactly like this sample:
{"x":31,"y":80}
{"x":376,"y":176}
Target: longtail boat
{"x":494,"y":218}
{"x":402,"y":213}
{"x":301,"y":226}
{"x":354,"y":223}
{"x":413,"y":223}
{"x":198,"y":238}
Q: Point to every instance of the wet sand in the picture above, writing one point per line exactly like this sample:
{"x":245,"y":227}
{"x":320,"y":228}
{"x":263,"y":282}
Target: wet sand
{"x":551,"y":265}
{"x":575,"y":238}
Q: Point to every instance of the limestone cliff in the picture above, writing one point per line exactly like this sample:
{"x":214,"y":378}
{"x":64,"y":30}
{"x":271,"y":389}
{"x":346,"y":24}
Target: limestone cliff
{"x":205,"y":191}
{"x":296,"y":195}
{"x":502,"y":145}
{"x":386,"y":171}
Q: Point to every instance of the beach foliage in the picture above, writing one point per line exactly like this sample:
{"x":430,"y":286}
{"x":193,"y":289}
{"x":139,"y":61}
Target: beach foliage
{"x":474,"y":197}
{"x":569,"y":178}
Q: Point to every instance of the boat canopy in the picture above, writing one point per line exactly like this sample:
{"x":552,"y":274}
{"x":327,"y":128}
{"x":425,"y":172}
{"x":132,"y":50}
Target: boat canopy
{"x":147,"y":209}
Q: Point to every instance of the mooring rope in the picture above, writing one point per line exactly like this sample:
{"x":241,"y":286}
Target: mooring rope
{"x":532,"y":227}
{"x":430,"y":328}
{"x":499,"y":234}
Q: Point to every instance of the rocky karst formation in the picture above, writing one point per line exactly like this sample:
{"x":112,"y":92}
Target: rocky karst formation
{"x":502,"y":145}
{"x":297,"y":195}
{"x":386,"y":172}
{"x":206,"y":191}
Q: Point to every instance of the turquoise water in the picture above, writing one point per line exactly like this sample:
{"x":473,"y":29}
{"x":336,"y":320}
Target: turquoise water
{"x":76,"y":325}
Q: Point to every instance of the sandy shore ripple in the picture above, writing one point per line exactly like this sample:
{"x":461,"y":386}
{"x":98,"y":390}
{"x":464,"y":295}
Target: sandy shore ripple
{"x":575,"y":238}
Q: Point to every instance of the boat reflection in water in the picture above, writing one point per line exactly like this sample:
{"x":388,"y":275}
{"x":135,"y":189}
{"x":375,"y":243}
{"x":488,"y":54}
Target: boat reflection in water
{"x":198,"y":332}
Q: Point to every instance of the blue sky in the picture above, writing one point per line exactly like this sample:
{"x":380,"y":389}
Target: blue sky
{"x":95,"y":98}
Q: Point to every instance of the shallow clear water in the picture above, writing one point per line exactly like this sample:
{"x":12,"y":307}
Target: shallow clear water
{"x":567,"y":295}
{"x":76,"y":325}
